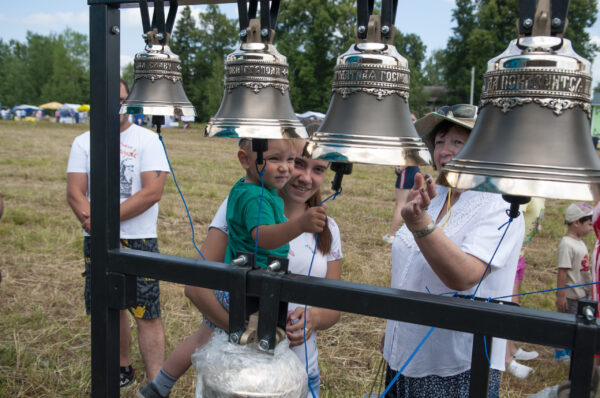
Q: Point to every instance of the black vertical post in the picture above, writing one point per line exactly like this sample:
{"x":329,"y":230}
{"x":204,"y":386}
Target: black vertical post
{"x":582,"y":357}
{"x":480,"y":366}
{"x":104,"y":160}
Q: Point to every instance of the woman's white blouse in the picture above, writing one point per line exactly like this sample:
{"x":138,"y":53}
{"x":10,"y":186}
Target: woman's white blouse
{"x":473,"y":225}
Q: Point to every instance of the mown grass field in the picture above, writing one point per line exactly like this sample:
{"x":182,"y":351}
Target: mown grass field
{"x":44,"y":332}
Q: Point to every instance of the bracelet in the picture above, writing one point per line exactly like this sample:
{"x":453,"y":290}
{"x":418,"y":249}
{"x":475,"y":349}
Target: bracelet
{"x":425,"y":231}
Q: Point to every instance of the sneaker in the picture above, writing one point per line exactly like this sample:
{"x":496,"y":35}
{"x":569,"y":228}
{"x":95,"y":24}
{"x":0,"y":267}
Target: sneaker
{"x":522,"y":355}
{"x":127,"y":378}
{"x":518,"y":370}
{"x":149,"y":391}
{"x":387,"y":238}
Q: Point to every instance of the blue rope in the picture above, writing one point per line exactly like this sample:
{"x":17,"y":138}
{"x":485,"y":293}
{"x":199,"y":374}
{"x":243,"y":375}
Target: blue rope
{"x":487,"y":356}
{"x":407,"y":362}
{"x":262,"y":191}
{"x":182,"y":198}
{"x":495,"y":251}
{"x":332,"y":197}
{"x":304,"y":327}
{"x":485,"y":272}
{"x":546,"y":290}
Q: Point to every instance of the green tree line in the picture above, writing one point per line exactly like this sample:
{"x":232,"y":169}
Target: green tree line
{"x":310,"y":33}
{"x":45,"y":68}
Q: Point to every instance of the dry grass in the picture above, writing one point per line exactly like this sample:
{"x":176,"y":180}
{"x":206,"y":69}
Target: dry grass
{"x":44,"y":333}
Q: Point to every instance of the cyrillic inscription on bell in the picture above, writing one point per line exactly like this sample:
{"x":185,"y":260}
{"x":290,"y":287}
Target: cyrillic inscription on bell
{"x":256,"y":102}
{"x":532,"y":135}
{"x":368,"y":120}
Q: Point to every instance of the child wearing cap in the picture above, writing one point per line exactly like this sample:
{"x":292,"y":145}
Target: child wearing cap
{"x":573,"y":263}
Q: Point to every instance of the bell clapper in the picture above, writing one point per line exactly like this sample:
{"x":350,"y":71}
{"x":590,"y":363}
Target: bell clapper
{"x":158,"y":121}
{"x":260,"y":146}
{"x":515,"y":202}
{"x":340,"y":169}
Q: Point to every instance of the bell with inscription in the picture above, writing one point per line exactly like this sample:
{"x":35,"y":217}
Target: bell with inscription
{"x":368,"y":120}
{"x":532,"y":135}
{"x":256,"y":101}
{"x":157,"y":86}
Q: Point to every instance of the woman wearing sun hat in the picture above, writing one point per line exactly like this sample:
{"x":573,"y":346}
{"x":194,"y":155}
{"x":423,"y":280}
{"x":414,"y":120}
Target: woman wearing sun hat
{"x":445,"y":245}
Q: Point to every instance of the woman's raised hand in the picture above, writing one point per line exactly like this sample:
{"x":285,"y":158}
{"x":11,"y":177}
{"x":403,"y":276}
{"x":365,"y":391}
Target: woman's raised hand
{"x":414,"y":211}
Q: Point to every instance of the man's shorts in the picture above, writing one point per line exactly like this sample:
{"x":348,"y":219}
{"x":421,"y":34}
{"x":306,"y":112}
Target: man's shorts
{"x":406,"y":178}
{"x":148,"y":293}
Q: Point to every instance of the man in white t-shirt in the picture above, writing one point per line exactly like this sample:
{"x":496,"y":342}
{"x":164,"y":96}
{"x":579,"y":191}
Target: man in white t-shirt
{"x":143,"y":171}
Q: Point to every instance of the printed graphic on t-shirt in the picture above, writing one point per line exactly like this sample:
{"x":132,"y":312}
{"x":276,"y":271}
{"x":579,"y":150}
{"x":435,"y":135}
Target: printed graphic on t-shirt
{"x":335,"y":254}
{"x":126,"y":177}
{"x":585,"y":263}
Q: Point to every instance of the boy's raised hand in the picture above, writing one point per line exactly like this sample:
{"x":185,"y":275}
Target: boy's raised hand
{"x":313,"y":219}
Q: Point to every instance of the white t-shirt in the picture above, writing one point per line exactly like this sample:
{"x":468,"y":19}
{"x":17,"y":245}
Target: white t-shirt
{"x":301,"y":251}
{"x":473,"y":226}
{"x":573,"y":256}
{"x":141,"y":151}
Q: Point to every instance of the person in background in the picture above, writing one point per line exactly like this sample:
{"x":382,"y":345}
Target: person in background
{"x":448,"y":238}
{"x":405,"y":178}
{"x":143,"y":171}
{"x":533,"y":212}
{"x":573,"y":264}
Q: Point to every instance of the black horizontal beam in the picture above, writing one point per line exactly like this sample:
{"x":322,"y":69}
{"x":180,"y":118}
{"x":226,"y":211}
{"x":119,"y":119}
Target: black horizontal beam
{"x":471,"y":316}
{"x":182,"y":270}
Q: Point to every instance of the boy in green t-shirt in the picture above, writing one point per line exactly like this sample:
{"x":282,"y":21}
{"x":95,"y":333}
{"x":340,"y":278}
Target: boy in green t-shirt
{"x":247,"y":199}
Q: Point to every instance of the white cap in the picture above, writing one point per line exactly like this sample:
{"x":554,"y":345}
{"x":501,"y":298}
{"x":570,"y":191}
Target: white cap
{"x":577,"y":211}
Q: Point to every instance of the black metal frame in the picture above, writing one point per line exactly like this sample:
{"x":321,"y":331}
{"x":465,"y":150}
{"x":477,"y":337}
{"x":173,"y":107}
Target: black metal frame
{"x":111,"y":266}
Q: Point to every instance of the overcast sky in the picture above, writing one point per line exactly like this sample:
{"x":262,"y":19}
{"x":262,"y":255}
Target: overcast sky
{"x":429,"y":19}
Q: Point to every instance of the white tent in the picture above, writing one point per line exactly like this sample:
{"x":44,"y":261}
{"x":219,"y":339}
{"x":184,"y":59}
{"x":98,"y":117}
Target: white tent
{"x":67,"y":113}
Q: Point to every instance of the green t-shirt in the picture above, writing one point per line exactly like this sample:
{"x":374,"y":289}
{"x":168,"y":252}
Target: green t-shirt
{"x":242,"y":217}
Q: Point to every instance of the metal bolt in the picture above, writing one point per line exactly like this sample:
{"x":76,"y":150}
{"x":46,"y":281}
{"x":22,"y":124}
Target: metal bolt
{"x":274,"y":266}
{"x":115,"y":30}
{"x":556,"y":22}
{"x":527,"y":22}
{"x":241,"y":260}
{"x":243,"y":33}
{"x":234,"y":338}
{"x":385,"y":29}
{"x":588,"y":312}
{"x":263,"y":345}
{"x":264,"y":32}
{"x":159,"y":36}
{"x":362,"y":29}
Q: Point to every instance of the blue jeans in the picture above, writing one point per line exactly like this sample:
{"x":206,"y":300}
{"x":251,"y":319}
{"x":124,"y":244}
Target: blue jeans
{"x":314,"y":381}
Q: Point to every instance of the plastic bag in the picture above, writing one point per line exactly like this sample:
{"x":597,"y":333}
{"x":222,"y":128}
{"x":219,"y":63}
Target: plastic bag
{"x":231,"y":370}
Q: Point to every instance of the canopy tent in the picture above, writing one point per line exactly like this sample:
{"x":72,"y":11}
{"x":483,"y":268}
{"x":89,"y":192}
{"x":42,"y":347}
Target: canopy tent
{"x":24,"y":107}
{"x":84,"y":108}
{"x":24,"y":110}
{"x":69,"y":113}
{"x":51,"y":105}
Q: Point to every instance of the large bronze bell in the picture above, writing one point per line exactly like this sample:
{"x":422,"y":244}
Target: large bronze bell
{"x":369,"y":120}
{"x":157,"y":87}
{"x":532,"y":135}
{"x":256,"y":102}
